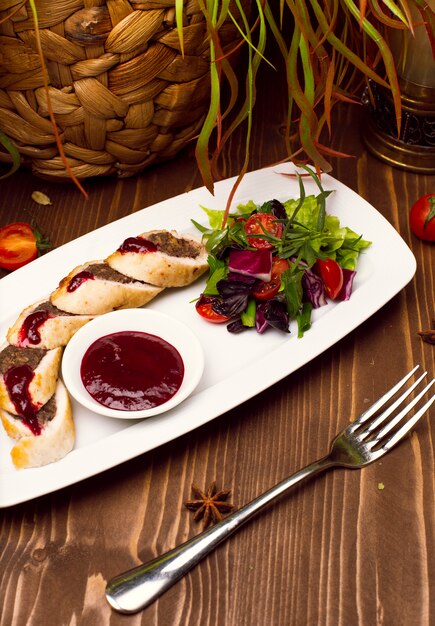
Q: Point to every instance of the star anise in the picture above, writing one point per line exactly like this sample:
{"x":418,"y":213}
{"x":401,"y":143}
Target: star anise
{"x":210,"y":505}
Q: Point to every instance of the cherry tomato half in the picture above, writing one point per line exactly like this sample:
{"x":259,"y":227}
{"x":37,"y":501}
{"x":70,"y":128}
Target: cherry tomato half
{"x":267,"y":290}
{"x":204,"y":308}
{"x":18,"y":245}
{"x":258,"y":224}
{"x":332,"y":276}
{"x":422,"y":218}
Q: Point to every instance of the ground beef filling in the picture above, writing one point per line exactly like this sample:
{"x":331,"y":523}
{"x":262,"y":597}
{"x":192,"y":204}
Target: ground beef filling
{"x":105,"y":272}
{"x":172,"y":246}
{"x":50,"y":308}
{"x":12,"y":356}
{"x":47,"y":412}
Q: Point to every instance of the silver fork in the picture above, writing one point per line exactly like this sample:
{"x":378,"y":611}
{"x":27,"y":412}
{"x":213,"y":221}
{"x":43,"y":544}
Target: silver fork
{"x":360,"y":443}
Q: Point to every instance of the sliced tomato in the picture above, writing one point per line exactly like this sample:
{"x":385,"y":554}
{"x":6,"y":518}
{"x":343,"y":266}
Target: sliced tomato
{"x":204,"y":308}
{"x":258,"y":224}
{"x":18,"y":245}
{"x":267,"y":290}
{"x":332,"y":276}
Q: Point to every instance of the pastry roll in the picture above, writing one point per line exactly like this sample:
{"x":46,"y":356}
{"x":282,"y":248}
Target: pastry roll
{"x":28,"y":377}
{"x":160,"y":257}
{"x":95,"y":288}
{"x":42,"y":325}
{"x":45,"y":437}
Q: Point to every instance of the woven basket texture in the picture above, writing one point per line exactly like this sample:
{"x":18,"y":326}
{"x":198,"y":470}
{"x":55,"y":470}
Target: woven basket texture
{"x":122,"y":93}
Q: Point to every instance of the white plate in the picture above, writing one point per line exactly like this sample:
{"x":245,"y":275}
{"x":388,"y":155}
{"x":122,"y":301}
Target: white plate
{"x":237,"y":367}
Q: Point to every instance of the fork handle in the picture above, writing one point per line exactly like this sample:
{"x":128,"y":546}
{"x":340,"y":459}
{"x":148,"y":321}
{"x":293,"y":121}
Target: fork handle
{"x":137,"y":588}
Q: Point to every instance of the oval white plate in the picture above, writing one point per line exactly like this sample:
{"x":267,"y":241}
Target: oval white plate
{"x":237,"y":367}
{"x":143,"y":320}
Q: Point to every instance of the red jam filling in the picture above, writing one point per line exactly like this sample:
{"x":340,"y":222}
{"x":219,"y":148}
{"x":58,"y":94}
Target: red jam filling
{"x":29,"y":331}
{"x":78,"y":280}
{"x":137,"y":244}
{"x":132,"y":371}
{"x":17,"y":380}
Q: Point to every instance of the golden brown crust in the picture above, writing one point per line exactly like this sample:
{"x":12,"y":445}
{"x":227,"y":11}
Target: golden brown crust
{"x":54,"y":442}
{"x":42,"y":385}
{"x":159,"y":268}
{"x":54,"y":332}
{"x":98,"y":296}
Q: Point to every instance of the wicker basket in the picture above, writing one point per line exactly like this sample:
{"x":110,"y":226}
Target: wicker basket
{"x":122,"y":93}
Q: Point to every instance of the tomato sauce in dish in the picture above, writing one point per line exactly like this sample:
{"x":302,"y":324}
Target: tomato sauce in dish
{"x":131,"y":370}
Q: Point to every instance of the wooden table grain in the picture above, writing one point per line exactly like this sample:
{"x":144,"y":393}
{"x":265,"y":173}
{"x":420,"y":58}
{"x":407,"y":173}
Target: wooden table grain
{"x":338,"y":551}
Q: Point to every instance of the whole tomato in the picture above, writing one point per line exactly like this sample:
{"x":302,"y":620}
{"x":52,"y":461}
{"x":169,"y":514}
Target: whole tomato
{"x":422,"y":217}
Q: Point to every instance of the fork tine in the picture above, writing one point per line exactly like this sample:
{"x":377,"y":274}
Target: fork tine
{"x":397,"y":418}
{"x":383,"y":416}
{"x":368,"y":413}
{"x":408,"y":425}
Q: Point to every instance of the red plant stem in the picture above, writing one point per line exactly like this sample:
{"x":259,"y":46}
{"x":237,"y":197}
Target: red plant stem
{"x":50,"y":109}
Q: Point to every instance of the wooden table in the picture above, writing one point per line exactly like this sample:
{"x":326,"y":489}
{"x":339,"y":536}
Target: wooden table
{"x":339,"y":550}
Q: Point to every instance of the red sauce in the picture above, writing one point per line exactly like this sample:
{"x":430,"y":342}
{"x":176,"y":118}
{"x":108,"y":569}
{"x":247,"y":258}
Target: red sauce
{"x":17,"y":380}
{"x":29,"y":331}
{"x":137,"y":244}
{"x":79,"y":279}
{"x":132,"y":371}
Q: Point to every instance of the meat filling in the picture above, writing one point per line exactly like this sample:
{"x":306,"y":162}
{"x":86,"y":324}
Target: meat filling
{"x":47,"y":412}
{"x":12,"y":356}
{"x":172,"y":246}
{"x":50,"y":308}
{"x":105,"y":272}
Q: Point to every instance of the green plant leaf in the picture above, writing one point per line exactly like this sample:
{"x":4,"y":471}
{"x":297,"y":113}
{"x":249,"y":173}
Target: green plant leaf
{"x":15,"y":155}
{"x":179,"y":6}
{"x":387,"y":57}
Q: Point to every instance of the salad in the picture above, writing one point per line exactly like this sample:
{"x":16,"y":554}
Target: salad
{"x":275,"y":262}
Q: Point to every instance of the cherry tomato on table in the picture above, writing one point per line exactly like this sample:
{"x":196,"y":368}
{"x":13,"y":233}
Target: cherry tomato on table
{"x":258,"y":224}
{"x":422,"y":217}
{"x":19,"y":244}
{"x":332,"y":276}
{"x":204,"y":308}
{"x":267,"y":290}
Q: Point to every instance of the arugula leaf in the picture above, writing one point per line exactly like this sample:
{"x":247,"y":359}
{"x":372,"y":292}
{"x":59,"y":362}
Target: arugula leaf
{"x":304,"y":319}
{"x":248,"y":315}
{"x":218,"y":271}
{"x":292,"y":281}
{"x":266,"y":207}
{"x":200,"y":227}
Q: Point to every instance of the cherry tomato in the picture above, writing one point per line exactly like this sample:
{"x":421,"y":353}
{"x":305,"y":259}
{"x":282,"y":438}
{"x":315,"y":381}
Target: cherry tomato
{"x":257,"y":224}
{"x":422,"y":217}
{"x":204,"y":307}
{"x":267,"y":290}
{"x":18,"y":245}
{"x":332,"y":276}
